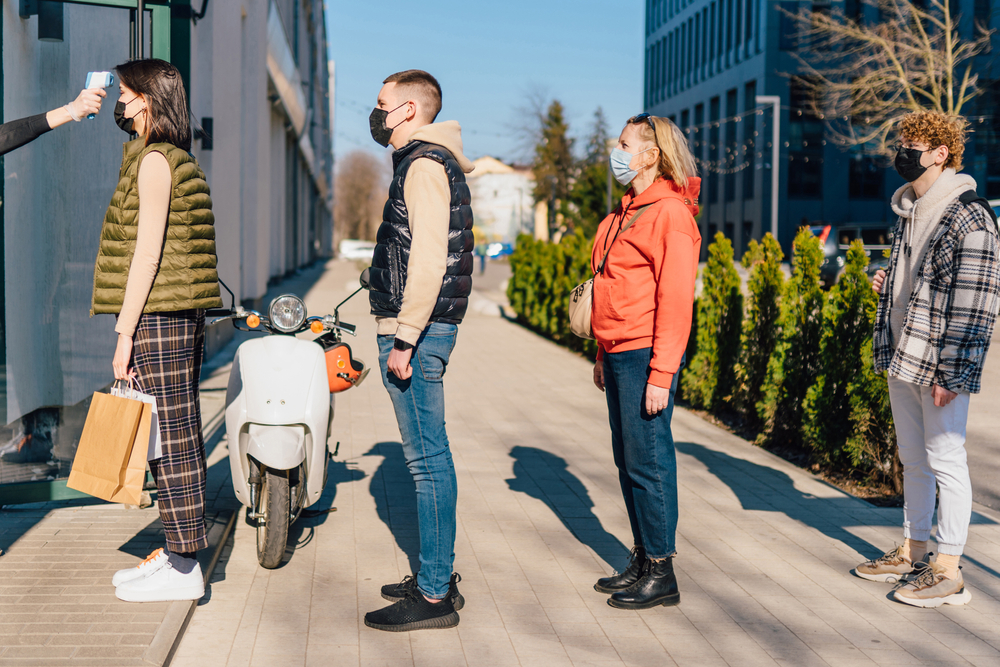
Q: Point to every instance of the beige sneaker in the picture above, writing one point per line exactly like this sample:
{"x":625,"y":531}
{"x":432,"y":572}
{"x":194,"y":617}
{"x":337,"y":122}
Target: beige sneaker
{"x":891,"y":567}
{"x":932,"y":589}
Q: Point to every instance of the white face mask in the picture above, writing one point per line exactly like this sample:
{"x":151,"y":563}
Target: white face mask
{"x":620,"y":161}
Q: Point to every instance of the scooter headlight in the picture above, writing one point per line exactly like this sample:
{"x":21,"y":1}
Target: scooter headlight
{"x":287,"y":313}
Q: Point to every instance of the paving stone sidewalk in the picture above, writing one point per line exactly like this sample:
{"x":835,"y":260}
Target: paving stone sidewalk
{"x":765,"y":549}
{"x":57,"y":605}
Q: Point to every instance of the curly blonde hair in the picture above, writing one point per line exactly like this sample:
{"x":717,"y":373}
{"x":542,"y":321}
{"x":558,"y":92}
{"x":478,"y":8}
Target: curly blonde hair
{"x":676,"y":161}
{"x":937,"y":129}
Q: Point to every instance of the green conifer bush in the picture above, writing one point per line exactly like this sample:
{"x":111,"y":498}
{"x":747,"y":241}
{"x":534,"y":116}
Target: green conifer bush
{"x":794,"y":364}
{"x":761,"y":330}
{"x":708,"y":381}
{"x":847,"y":331}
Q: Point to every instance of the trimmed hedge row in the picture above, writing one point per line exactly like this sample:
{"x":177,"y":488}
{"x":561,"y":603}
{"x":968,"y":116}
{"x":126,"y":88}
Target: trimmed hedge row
{"x":792,"y":362}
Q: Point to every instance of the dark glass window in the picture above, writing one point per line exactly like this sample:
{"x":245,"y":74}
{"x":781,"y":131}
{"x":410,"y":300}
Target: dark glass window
{"x":691,"y":51}
{"x":749,"y":140}
{"x":854,"y":9}
{"x":787,"y":28}
{"x":866,"y":177}
{"x":697,"y":43}
{"x":685,"y":119}
{"x":704,"y":38}
{"x":805,"y":147}
{"x":729,"y":25}
{"x":732,"y":151}
{"x":746,"y":236}
{"x":681,"y":59}
{"x":721,"y":44}
{"x":981,"y":11}
{"x":711,"y":174}
{"x":748,"y":32}
{"x":698,"y":147}
{"x":736,"y":27}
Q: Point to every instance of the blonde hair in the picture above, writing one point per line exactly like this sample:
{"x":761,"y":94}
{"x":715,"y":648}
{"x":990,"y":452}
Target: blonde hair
{"x":676,"y":161}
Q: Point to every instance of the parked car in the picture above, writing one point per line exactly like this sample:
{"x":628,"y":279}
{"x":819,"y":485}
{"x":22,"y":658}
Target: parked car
{"x":356,"y":249}
{"x":836,"y":239}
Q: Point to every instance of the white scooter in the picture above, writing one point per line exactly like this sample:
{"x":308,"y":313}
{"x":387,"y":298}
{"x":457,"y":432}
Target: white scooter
{"x":279,"y":413}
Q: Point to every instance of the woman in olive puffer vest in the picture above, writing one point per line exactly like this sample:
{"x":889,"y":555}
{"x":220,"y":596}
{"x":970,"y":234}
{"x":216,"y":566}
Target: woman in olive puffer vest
{"x":156,"y":271}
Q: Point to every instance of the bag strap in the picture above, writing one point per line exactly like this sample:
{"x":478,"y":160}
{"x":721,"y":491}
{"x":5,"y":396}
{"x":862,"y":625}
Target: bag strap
{"x":632,"y":221}
{"x":970,"y":197}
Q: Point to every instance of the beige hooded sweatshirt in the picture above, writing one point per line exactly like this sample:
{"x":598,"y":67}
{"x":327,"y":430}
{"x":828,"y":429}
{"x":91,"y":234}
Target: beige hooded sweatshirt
{"x":428,"y":204}
{"x":920,"y":218}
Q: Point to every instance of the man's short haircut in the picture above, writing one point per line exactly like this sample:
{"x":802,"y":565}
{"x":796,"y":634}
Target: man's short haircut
{"x":937,"y":129}
{"x":418,"y":84}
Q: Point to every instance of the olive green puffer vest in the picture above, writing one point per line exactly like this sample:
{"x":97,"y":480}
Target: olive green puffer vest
{"x":187,"y":276}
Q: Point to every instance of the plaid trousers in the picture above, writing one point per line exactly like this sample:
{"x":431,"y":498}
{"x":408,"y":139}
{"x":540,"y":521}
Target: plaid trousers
{"x":168,"y":349}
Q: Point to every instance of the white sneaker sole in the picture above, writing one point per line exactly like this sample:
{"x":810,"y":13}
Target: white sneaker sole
{"x":960,"y":598}
{"x":188,"y":593}
{"x":891,"y":578}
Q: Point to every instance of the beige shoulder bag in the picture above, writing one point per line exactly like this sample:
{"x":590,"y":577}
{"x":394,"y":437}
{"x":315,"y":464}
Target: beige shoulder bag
{"x":581,"y":299}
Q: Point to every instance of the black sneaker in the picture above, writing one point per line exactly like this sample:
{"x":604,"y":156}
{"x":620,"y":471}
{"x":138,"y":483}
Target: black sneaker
{"x":414,"y":612}
{"x":396,"y":592}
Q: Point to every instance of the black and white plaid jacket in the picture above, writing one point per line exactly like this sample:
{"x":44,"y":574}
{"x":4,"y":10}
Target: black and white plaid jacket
{"x":953,"y":307}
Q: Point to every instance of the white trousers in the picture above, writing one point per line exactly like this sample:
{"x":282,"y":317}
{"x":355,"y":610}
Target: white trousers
{"x":932,"y":449}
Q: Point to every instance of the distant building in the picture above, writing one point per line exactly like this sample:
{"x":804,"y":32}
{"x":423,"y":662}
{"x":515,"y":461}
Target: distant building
{"x":707,"y":61}
{"x":501,"y":199}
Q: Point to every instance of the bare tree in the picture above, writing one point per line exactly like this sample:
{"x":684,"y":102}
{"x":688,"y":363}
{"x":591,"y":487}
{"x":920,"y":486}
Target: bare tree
{"x":360,"y":195}
{"x":861,"y":77}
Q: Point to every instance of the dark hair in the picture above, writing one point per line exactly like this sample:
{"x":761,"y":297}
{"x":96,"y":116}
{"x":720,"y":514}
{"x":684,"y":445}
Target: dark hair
{"x":162,"y":86}
{"x":425,"y":87}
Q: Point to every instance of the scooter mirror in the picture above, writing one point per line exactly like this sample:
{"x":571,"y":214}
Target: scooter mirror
{"x":365,"y":275}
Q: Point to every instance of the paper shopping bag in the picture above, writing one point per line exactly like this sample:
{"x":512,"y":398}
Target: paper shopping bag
{"x":155,"y":449}
{"x":110,"y":460}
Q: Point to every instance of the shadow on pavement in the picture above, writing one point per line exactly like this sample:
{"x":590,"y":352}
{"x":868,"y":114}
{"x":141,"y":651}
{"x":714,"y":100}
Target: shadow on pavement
{"x":763,"y":488}
{"x":396,"y":499}
{"x":302,"y":531}
{"x":545,"y":476}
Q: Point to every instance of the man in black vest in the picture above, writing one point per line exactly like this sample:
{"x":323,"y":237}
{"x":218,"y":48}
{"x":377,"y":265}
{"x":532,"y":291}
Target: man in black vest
{"x":421,"y":278}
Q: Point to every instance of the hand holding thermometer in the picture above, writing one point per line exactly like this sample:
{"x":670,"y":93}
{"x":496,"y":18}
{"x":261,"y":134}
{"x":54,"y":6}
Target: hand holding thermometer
{"x":97,"y":80}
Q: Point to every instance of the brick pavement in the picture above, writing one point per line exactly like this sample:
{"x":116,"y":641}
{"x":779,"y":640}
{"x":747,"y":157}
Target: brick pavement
{"x":765,"y":548}
{"x":57,"y":605}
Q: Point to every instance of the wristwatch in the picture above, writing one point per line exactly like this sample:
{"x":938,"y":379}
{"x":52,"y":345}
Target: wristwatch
{"x":401,"y":345}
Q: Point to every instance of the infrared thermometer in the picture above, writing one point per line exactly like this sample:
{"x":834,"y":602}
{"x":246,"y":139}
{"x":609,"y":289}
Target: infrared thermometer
{"x":99,"y":80}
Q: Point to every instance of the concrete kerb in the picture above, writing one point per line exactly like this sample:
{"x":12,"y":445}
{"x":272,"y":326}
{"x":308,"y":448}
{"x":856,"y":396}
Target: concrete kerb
{"x":168,"y":637}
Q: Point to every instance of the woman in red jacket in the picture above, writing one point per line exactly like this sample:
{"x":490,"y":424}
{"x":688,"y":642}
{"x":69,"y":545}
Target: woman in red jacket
{"x":643,"y":301}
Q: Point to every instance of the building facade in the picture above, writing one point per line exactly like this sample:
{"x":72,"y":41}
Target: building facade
{"x":707,"y":63}
{"x":501,"y":199}
{"x":259,"y":87}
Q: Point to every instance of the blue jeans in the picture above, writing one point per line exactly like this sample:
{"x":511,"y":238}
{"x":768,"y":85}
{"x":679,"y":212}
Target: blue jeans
{"x":644,"y":452}
{"x":419,"y":406}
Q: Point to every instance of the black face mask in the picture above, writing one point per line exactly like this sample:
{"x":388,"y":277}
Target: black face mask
{"x":126,"y":124}
{"x":376,"y":122}
{"x":908,"y":164}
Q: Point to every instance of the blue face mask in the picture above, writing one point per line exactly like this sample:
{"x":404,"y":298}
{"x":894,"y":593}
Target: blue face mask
{"x":620,"y":161}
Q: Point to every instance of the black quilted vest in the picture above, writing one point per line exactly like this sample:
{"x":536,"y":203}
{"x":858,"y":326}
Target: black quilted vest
{"x":392,"y":253}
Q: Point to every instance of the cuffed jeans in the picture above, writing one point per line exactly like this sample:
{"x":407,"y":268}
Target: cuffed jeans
{"x":419,"y":406}
{"x":644,"y":452}
{"x":931,"y":444}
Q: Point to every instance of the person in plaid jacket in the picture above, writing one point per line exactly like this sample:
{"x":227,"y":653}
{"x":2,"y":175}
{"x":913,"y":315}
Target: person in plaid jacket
{"x":937,"y":307}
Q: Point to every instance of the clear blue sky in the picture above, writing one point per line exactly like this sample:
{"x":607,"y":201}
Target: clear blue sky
{"x":488,"y":55}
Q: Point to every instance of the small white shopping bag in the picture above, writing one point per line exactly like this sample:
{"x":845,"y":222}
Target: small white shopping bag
{"x":131,"y":391}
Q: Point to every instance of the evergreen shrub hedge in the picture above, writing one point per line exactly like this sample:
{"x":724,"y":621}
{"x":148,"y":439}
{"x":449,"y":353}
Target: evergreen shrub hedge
{"x":796,"y":366}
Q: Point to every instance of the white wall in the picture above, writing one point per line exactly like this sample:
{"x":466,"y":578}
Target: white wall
{"x":501,"y":202}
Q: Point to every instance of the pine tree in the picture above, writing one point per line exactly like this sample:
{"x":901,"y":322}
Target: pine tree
{"x":795,"y":363}
{"x":553,"y":165}
{"x":760,"y":326}
{"x":590,"y":191}
{"x":846,"y":332}
{"x":708,"y":382}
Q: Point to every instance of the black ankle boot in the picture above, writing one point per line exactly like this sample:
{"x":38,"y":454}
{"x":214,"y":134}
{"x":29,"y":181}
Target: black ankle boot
{"x":658,"y":586}
{"x":631,"y":574}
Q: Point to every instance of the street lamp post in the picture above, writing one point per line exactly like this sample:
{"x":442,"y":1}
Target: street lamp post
{"x":775,"y":102}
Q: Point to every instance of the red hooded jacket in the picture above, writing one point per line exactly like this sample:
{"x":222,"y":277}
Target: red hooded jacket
{"x":645,"y":295}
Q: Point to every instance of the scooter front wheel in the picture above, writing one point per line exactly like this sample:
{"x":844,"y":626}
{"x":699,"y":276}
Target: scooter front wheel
{"x":272,"y":529}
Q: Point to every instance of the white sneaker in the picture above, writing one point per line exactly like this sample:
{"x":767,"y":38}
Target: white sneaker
{"x":152,"y":563}
{"x":165,"y":583}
